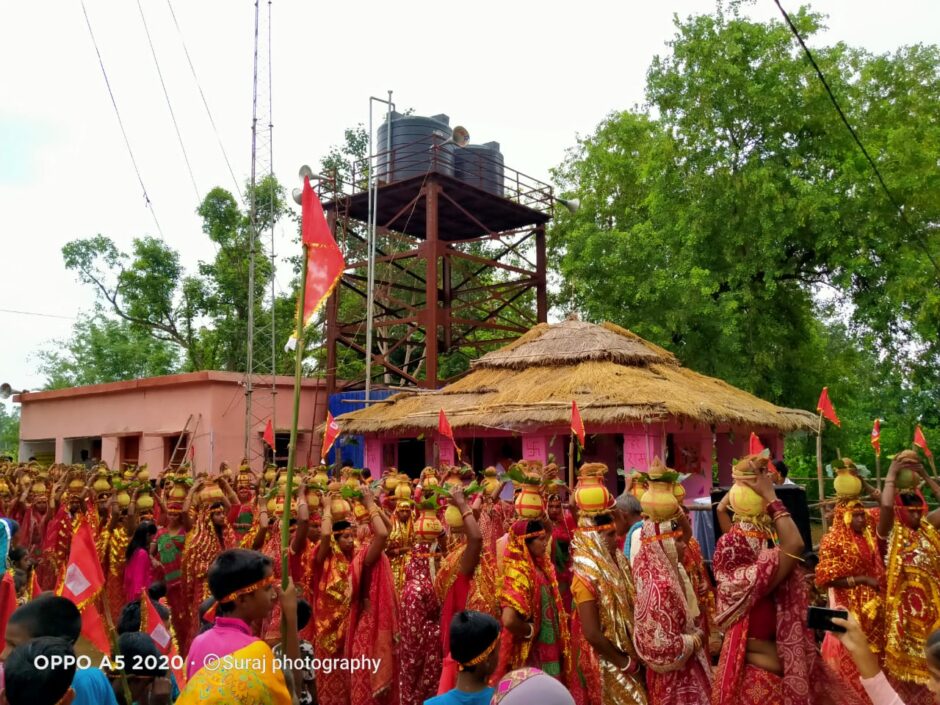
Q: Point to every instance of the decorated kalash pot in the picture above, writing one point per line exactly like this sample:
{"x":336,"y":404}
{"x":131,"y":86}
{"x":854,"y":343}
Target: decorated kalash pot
{"x":745,"y":502}
{"x":429,"y":477}
{"x":637,"y":483}
{"x":848,"y":484}
{"x":403,"y":488}
{"x":591,"y":493}
{"x":491,"y":481}
{"x":659,"y":502}
{"x":339,"y":507}
{"x":427,"y":526}
{"x":529,"y":503}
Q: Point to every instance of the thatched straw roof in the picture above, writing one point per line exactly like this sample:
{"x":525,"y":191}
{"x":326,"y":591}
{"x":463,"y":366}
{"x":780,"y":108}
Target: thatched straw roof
{"x":614,"y":375}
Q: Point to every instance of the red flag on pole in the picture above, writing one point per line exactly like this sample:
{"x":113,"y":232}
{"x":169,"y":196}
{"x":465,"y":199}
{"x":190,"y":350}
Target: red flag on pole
{"x":152,"y":624}
{"x":268,"y":435}
{"x":876,"y":437}
{"x":826,"y":408}
{"x":82,"y":582}
{"x":921,"y":441}
{"x":755,"y":447}
{"x":325,"y":263}
{"x":330,"y":434}
{"x":577,"y":425}
{"x":443,"y":428}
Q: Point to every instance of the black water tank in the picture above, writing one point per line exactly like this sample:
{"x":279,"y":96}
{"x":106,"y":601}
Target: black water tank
{"x":412,"y":153}
{"x":480,"y":165}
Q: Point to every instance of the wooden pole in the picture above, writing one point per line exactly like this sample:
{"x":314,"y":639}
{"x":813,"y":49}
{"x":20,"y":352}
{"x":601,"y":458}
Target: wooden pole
{"x":571,"y":463}
{"x":878,"y":471}
{"x":819,"y":472}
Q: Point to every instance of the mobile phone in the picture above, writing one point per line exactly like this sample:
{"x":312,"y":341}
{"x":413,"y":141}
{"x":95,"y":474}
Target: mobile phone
{"x":821,"y":618}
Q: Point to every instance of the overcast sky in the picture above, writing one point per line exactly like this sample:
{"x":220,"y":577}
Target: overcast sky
{"x":515,"y":71}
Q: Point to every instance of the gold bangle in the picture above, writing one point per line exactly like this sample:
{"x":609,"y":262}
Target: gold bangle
{"x":465,"y":514}
{"x":796,"y":558}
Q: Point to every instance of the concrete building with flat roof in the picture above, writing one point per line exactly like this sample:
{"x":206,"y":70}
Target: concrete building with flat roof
{"x":201,"y":414}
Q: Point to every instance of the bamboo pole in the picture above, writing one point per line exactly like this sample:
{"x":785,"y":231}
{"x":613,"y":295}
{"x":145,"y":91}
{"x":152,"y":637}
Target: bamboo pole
{"x":878,"y":471}
{"x":819,"y":472}
{"x":571,"y":463}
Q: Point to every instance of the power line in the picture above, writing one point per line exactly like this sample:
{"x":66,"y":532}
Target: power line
{"x":918,"y":236}
{"x":121,"y":122}
{"x":36,"y":313}
{"x":205,"y":102}
{"x":166,"y":94}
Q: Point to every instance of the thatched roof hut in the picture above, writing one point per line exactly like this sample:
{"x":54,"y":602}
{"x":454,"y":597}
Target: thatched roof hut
{"x":615,"y":376}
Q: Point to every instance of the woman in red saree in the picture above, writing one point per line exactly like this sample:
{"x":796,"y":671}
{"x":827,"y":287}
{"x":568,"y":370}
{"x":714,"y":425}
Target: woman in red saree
{"x":851,"y":567}
{"x":465,"y":581}
{"x":170,"y":539}
{"x":353,"y":611}
{"x":667,"y":634}
{"x":420,"y":647}
{"x":535,"y":622}
{"x":768,"y":655}
{"x":912,"y":597}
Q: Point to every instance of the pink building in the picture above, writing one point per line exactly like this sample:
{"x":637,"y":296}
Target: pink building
{"x":142,"y":421}
{"x":637,"y":402}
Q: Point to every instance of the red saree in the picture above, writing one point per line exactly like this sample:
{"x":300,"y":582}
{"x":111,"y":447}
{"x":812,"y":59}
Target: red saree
{"x":666,"y":611}
{"x":373,"y":630}
{"x":330,"y":619}
{"x":420,"y":649}
{"x":744,"y":568}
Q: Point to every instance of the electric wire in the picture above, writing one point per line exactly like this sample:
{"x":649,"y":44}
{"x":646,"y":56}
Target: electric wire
{"x":169,"y":105}
{"x":117,"y":112}
{"x":37,"y":313}
{"x":918,"y":236}
{"x":205,"y":103}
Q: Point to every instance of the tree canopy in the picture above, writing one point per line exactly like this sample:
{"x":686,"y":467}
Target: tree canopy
{"x":733,"y":220}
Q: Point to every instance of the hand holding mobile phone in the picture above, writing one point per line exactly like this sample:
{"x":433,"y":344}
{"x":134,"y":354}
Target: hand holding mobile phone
{"x":821,"y":618}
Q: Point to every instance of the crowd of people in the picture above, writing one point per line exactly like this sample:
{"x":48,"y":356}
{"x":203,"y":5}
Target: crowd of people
{"x":453,"y":589}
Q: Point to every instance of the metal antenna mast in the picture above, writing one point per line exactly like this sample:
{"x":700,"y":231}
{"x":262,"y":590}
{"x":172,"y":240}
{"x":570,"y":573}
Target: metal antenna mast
{"x":263,"y":216}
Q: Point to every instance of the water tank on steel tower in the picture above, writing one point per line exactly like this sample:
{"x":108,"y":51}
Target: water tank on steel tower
{"x":480,"y":165}
{"x":413,"y":138}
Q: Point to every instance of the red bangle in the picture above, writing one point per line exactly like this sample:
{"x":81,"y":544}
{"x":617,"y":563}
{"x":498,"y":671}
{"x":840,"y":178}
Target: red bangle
{"x":775,"y":507}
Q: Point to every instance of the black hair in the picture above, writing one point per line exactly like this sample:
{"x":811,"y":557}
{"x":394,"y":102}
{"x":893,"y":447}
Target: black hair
{"x":203,"y":608}
{"x":304,"y":613}
{"x":157,"y":590}
{"x":602,"y":519}
{"x":25,"y":683}
{"x":532,"y":527}
{"x":18,"y":553}
{"x":347,"y":463}
{"x":471,"y":633}
{"x":233,"y":570}
{"x":49,"y":615}
{"x":341,"y":525}
{"x":141,"y":655}
{"x":911,"y":499}
{"x":781,"y":468}
{"x":129,"y":619}
{"x":932,"y":648}
{"x":141,"y":537}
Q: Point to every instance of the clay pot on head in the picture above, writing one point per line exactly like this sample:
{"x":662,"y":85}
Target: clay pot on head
{"x":658,"y":502}
{"x":847,"y":484}
{"x":745,"y":501}
{"x":145,"y":501}
{"x":339,"y":508}
{"x":123,"y":499}
{"x":592,"y":498}
{"x":529,"y":503}
{"x":907,"y":479}
{"x":452,"y":517}
{"x":403,"y":490}
{"x":427,"y":526}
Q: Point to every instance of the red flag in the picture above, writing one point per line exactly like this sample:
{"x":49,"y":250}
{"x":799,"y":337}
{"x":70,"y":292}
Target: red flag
{"x":825,"y":407}
{"x":268,"y":435}
{"x":577,"y":425}
{"x":152,"y":624}
{"x":755,"y":447}
{"x":7,"y":604}
{"x":876,"y":437}
{"x":921,"y":442}
{"x":82,"y":582}
{"x":35,"y":590}
{"x":325,"y":263}
{"x":443,"y":428}
{"x":330,"y":434}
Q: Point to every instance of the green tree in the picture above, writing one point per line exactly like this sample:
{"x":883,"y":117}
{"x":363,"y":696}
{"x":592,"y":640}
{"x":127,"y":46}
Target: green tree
{"x":717,"y":220}
{"x":9,"y":432}
{"x":105,"y":349}
{"x":204,"y":314}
